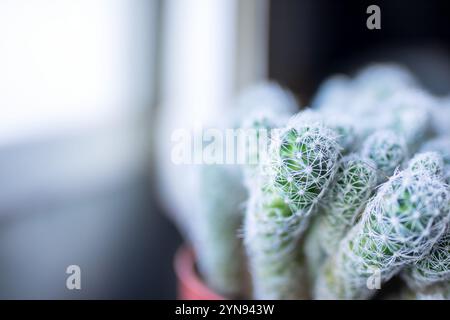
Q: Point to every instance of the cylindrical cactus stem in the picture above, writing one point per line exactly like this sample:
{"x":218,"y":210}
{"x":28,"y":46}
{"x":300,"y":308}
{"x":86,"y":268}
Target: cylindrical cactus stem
{"x":340,"y":123}
{"x":387,"y":150}
{"x":271,"y":238}
{"x":215,"y":230}
{"x":428,"y":163}
{"x":355,"y":181}
{"x":435,"y":267}
{"x":301,"y":164}
{"x":399,"y":226}
{"x":432,"y":269}
{"x":442,"y":146}
{"x":314,"y":254}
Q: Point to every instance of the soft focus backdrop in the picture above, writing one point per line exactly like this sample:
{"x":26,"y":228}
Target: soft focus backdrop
{"x":91,"y":89}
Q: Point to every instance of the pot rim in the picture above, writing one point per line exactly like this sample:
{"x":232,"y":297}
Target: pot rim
{"x":190,"y":285}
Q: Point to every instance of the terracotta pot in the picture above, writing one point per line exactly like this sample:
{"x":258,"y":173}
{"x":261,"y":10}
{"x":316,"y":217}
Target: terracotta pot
{"x":190,"y":285}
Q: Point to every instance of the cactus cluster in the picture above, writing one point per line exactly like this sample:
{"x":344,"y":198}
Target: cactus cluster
{"x":302,"y":163}
{"x":399,"y":226}
{"x":387,"y":150}
{"x":347,"y":194}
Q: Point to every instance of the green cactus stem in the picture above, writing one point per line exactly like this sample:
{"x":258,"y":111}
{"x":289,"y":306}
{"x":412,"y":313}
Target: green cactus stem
{"x":355,"y":181}
{"x":301,"y":165}
{"x":387,"y":150}
{"x":399,"y":226}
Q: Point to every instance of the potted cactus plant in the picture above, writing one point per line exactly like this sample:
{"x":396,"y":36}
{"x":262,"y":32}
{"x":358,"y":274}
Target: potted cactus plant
{"x":343,"y":197}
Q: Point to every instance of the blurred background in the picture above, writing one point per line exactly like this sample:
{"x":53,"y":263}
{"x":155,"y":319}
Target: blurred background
{"x":90,"y":91}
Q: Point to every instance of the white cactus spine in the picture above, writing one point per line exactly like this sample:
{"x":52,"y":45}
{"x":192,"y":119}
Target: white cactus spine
{"x":301,"y":165}
{"x":355,"y":181}
{"x":387,"y":150}
{"x":399,"y":226}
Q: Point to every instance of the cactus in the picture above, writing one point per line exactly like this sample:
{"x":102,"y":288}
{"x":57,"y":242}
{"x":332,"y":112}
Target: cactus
{"x":333,"y":93}
{"x":342,"y":125}
{"x":432,"y":269}
{"x":316,"y":219}
{"x":431,"y":273}
{"x":399,"y":226}
{"x":356,"y":179}
{"x":215,"y":229}
{"x":313,"y":251}
{"x":442,"y":146}
{"x":271,"y":240}
{"x":303,"y":160}
{"x":428,"y":163}
{"x":375,"y":85}
{"x":387,"y":150}
{"x":346,"y":198}
{"x":267,"y":107}
{"x":300,"y":166}
{"x":347,"y":138}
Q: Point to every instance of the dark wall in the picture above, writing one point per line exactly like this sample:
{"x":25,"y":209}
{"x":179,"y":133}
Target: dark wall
{"x":309,"y":39}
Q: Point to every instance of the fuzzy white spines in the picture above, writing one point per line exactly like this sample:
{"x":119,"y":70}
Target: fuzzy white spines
{"x":276,"y":266}
{"x":442,"y":146}
{"x":432,"y":269}
{"x":270,"y":227}
{"x":399,"y":226}
{"x":341,"y":124}
{"x":302,"y":157}
{"x":355,"y":181}
{"x":435,"y":267}
{"x":347,"y":137}
{"x":387,"y":150}
{"x":405,"y":219}
{"x":303,"y":163}
{"x":428,"y":163}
